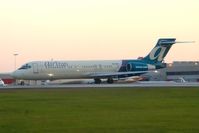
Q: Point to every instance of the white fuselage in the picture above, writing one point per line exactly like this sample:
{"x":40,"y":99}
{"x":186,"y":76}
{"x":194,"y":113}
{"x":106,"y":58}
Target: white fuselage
{"x":43,"y":70}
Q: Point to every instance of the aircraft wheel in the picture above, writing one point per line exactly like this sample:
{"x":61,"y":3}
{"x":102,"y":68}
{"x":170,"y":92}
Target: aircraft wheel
{"x":97,"y":81}
{"x":110,"y":80}
{"x":22,"y":83}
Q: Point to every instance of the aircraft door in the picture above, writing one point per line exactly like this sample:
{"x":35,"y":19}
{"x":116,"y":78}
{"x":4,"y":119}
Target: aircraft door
{"x":35,"y":68}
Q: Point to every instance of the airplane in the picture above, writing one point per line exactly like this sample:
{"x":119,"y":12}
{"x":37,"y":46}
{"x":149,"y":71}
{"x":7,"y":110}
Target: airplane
{"x":97,"y":69}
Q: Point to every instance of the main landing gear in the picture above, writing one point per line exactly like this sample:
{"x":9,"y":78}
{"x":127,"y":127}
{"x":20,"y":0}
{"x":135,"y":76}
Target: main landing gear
{"x":110,"y":80}
{"x":99,"y":81}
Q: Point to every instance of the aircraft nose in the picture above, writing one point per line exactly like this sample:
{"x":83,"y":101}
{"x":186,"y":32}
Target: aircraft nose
{"x":13,"y":74}
{"x":16,"y":74}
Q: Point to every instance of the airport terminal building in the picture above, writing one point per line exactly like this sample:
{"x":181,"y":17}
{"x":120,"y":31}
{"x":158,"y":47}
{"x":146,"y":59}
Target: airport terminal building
{"x":178,"y":71}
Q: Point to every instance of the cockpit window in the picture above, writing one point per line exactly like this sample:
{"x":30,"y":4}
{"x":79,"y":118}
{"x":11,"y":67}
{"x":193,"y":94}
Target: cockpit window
{"x":26,"y":66}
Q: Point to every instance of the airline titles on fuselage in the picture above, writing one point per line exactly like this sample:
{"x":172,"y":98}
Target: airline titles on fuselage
{"x":55,"y":64}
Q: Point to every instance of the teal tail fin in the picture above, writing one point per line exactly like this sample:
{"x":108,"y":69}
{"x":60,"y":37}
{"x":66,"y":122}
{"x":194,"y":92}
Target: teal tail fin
{"x":158,"y":53}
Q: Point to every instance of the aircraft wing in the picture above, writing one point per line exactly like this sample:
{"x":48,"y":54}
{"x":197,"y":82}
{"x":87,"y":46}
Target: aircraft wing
{"x":115,"y":74}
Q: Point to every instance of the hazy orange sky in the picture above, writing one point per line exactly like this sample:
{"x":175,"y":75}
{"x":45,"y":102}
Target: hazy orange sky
{"x":95,"y":29}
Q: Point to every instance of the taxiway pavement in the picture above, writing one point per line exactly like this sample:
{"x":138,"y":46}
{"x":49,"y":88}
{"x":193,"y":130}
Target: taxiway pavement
{"x":117,"y":85}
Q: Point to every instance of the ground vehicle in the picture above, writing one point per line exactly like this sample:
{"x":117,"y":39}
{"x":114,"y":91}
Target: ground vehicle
{"x":1,"y":83}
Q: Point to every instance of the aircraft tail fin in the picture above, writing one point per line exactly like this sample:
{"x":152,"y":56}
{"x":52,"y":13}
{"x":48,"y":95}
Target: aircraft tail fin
{"x":161,"y":49}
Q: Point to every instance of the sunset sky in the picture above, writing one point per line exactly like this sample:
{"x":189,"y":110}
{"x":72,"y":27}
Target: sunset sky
{"x":95,"y":29}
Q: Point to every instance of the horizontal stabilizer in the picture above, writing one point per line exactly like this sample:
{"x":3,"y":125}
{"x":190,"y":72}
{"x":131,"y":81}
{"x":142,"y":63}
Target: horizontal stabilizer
{"x":164,"y":43}
{"x":185,"y":42}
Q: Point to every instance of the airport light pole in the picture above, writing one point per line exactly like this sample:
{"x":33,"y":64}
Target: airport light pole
{"x":15,"y":61}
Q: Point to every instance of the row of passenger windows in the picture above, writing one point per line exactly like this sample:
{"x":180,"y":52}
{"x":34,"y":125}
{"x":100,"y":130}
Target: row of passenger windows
{"x":95,"y":66}
{"x":27,"y":66}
